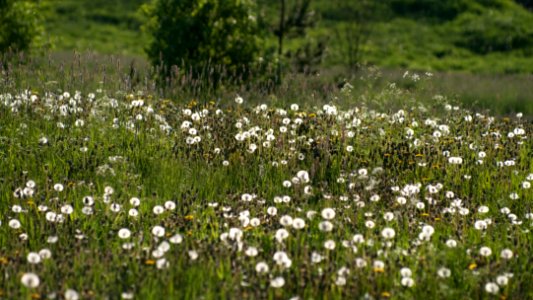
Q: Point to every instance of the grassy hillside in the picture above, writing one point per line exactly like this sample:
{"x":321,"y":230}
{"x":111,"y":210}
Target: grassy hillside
{"x":489,"y":36}
{"x":108,"y":27}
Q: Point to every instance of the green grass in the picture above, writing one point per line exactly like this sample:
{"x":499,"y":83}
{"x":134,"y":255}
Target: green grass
{"x":145,"y":151}
{"x":398,"y":39}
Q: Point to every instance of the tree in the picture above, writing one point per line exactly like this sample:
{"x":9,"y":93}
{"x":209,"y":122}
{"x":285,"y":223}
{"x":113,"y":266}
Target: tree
{"x":353,"y":35}
{"x":193,"y":34}
{"x":294,"y":20}
{"x":20,"y":25}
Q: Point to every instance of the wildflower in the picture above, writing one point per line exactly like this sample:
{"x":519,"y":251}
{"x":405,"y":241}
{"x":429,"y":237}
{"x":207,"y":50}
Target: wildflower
{"x":286,"y":220}
{"x":480,"y":225}
{"x":71,"y":294}
{"x":261,"y":267}
{"x":277,"y":282}
{"x":158,"y":209}
{"x":406,"y":272}
{"x":33,"y":258}
{"x":506,"y":254}
{"x":135,"y":202}
{"x":115,"y":207}
{"x":483,"y":209}
{"x":407,"y":282}
{"x":485,"y":251}
{"x":30,"y":280}
{"x":251,"y":251}
{"x":451,"y":243}
{"x":88,"y":200}
{"x":303,"y":176}
{"x":298,"y":223}
{"x":388,"y":233}
{"x":444,"y":272}
{"x":176,"y":239}
{"x":15,"y":224}
{"x":67,"y":209}
{"x":502,"y":280}
{"x":370,"y":224}
{"x":58,"y":187}
{"x":329,"y":244}
{"x":193,"y":255}
{"x":454,"y":160}
{"x":158,"y":231}
{"x":124,"y":233}
{"x":45,"y":253}
{"x":281,"y":234}
{"x":328,"y":213}
{"x":272,"y":211}
{"x":255,"y":222}
{"x":325,"y":226}
{"x":492,"y":288}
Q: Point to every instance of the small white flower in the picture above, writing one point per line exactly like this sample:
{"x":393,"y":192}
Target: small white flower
{"x":485,"y":251}
{"x":329,"y":244}
{"x":33,"y":258}
{"x":58,"y":187}
{"x":71,"y":294}
{"x":251,"y":251}
{"x":158,"y":231}
{"x":277,"y":282}
{"x":407,"y":282}
{"x":15,"y":224}
{"x":506,"y":254}
{"x":328,"y":213}
{"x":492,"y":288}
{"x":124,"y":233}
{"x":261,"y":267}
{"x":388,"y":233}
{"x":406,"y":272}
{"x":502,"y":280}
{"x":30,"y":280}
{"x":444,"y":272}
{"x":176,"y":239}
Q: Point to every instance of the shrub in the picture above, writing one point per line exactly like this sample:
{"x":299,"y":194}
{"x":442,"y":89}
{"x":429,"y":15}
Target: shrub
{"x":495,"y":31}
{"x":20,"y":25}
{"x":192,"y":34}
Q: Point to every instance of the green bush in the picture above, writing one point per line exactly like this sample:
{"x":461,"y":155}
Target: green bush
{"x":20,"y":25}
{"x":495,"y":31}
{"x":192,"y":34}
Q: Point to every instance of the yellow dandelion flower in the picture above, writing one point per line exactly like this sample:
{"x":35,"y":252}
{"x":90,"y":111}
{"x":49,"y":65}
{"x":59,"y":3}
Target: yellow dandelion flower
{"x":472,"y":266}
{"x":149,"y":262}
{"x":189,"y":217}
{"x":379,"y":270}
{"x":385,"y":294}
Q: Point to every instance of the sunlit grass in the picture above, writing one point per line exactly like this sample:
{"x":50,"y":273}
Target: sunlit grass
{"x":378,"y":194}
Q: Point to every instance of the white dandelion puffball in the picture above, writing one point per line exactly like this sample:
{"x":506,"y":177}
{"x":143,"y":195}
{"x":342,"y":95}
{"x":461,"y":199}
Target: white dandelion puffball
{"x":158,"y":231}
{"x":30,"y":280}
{"x":124,"y":233}
{"x":328,"y":213}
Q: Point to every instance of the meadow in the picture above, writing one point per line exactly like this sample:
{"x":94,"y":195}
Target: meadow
{"x":115,"y":188}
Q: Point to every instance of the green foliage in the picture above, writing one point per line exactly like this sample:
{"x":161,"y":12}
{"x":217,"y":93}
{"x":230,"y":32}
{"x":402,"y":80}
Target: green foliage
{"x":191,"y":34}
{"x":442,"y":10}
{"x":495,"y":31}
{"x":20,"y":25}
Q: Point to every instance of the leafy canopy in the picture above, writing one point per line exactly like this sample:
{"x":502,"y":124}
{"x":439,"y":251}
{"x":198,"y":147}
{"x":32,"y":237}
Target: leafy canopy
{"x":194,"y":33}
